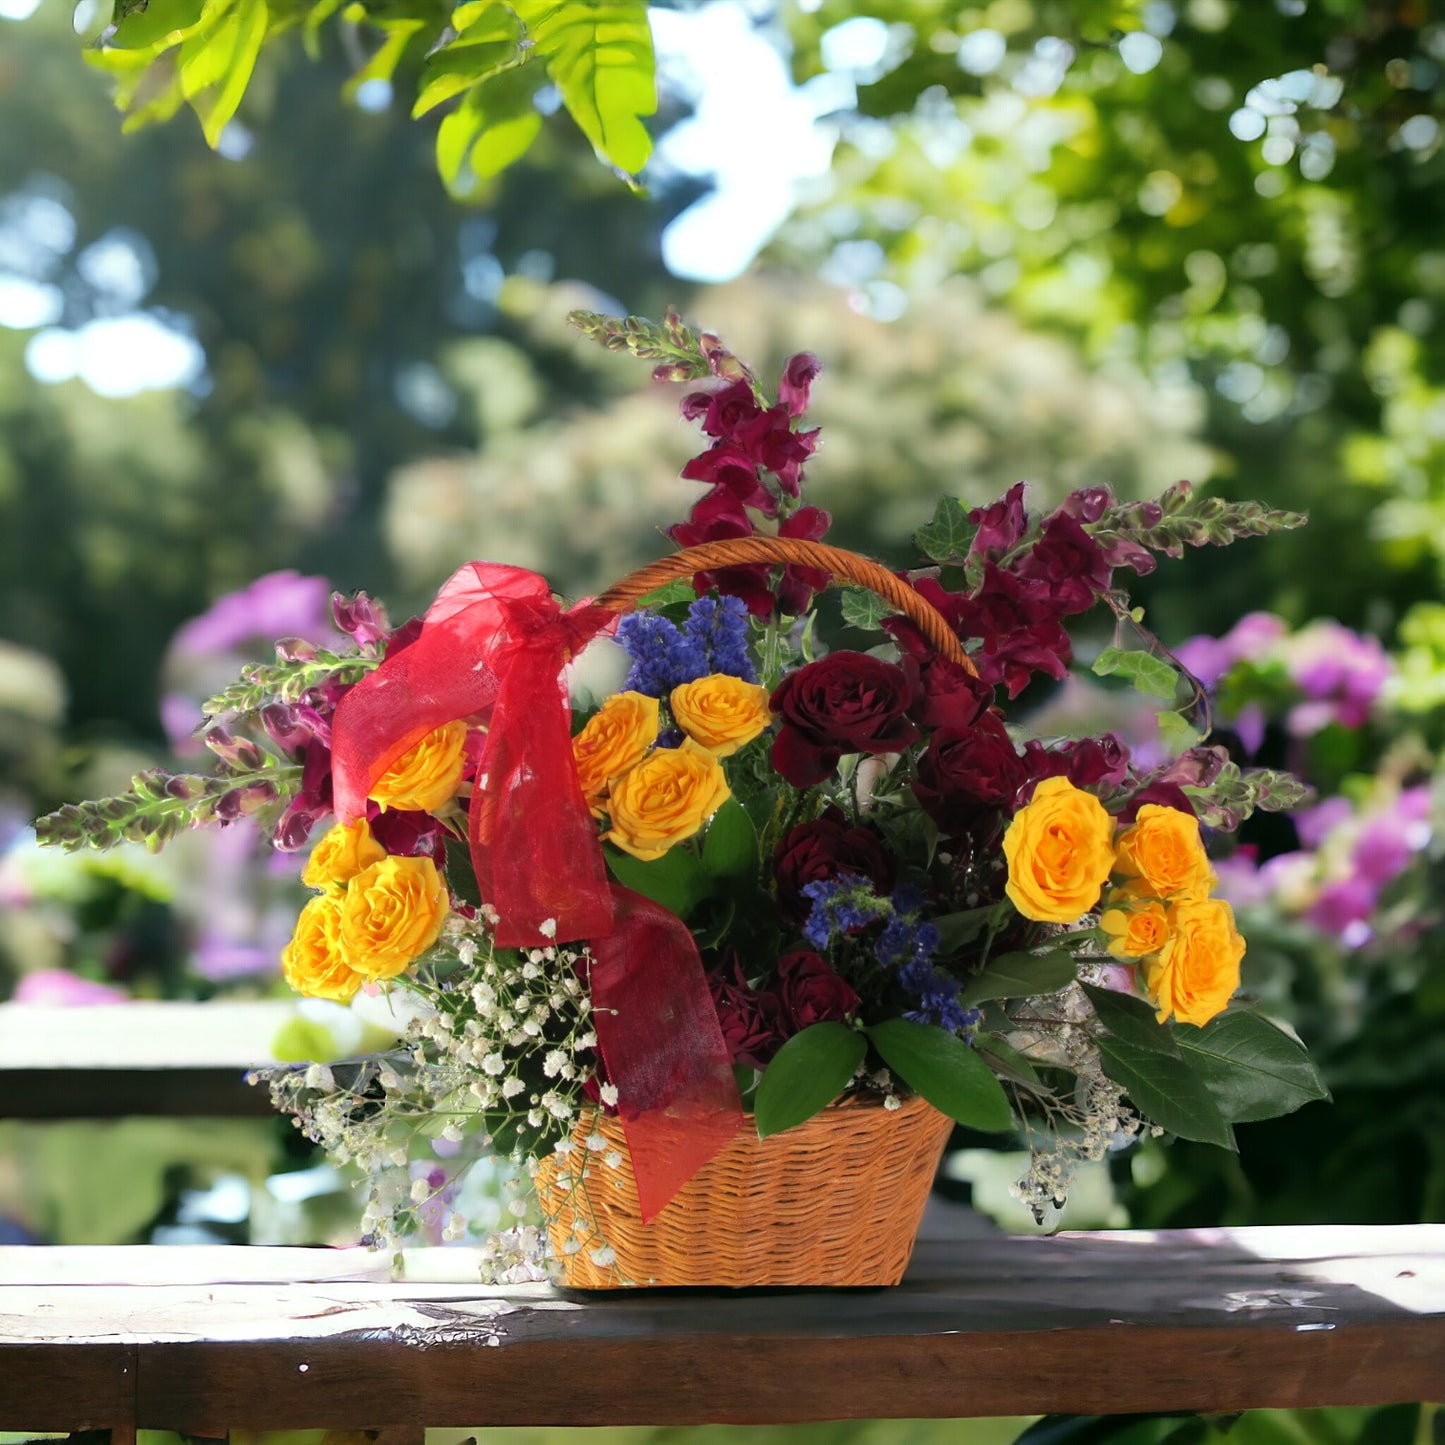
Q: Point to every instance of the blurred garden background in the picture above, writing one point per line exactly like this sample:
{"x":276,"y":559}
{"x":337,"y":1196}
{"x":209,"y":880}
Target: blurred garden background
{"x":1113,"y":242}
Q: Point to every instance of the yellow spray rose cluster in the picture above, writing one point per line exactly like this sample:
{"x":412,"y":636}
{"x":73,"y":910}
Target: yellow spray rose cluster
{"x":652,"y":797}
{"x":1151,"y":882}
{"x":375,"y":913}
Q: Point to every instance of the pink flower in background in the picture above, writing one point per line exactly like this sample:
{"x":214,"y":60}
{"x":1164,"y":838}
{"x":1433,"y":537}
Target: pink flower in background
{"x":59,"y":988}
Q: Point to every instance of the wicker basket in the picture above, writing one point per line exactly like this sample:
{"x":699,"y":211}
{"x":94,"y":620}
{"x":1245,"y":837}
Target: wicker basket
{"x":833,"y":1201}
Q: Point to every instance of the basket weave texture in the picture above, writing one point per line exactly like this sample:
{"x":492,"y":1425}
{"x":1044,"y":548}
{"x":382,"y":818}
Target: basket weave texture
{"x":833,"y":1201}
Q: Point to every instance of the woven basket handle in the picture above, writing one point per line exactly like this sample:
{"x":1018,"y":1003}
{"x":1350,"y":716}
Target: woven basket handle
{"x":744,"y":551}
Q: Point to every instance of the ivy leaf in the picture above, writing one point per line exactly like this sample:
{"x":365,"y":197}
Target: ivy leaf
{"x":946,"y":1071}
{"x":863,"y":609}
{"x":599,"y":55}
{"x":1252,"y":1067}
{"x":1021,"y":975}
{"x":806,"y":1075}
{"x":1149,"y":674}
{"x":1165,"y":1090}
{"x":949,"y":535}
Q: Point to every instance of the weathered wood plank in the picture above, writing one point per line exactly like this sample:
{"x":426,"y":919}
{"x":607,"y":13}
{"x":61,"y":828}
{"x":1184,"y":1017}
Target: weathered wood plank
{"x":1210,"y":1320}
{"x":43,"y":1388}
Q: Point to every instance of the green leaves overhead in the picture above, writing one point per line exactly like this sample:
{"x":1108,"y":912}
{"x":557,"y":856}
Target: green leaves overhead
{"x":491,"y":59}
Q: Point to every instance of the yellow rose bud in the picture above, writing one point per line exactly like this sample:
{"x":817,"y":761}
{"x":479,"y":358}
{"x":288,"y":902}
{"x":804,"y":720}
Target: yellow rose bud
{"x":1163,"y":852}
{"x":616,"y":738}
{"x":344,"y":851}
{"x":720,"y":712}
{"x":1197,"y":971}
{"x":427,"y":775}
{"x":1136,"y":932}
{"x":1060,"y":852}
{"x":313,"y":963}
{"x":667,"y":797}
{"x":392,"y":913}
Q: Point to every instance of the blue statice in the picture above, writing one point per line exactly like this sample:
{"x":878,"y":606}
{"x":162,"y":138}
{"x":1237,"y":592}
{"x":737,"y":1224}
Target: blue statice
{"x":908,"y":944}
{"x":662,"y":657}
{"x":719,"y":625}
{"x":841,"y":905}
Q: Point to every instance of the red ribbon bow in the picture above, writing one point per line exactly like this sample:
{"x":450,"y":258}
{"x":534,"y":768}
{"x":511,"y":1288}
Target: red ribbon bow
{"x":491,"y":649}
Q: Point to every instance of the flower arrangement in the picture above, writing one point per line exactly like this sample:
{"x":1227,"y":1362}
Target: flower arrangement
{"x":747,"y":878}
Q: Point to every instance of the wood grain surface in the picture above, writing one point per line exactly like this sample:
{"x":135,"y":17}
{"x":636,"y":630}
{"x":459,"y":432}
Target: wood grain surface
{"x":208,"y":1339}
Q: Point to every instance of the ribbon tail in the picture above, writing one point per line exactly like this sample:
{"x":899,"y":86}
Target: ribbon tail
{"x":663,"y":1048}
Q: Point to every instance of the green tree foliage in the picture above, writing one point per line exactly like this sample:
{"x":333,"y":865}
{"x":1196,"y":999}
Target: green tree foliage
{"x":489,"y":58}
{"x":1246,"y":195}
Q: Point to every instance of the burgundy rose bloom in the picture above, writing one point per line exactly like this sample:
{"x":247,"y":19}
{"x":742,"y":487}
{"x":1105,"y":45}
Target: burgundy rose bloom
{"x":754,"y":1024}
{"x":811,"y":992}
{"x":822,"y":849}
{"x":1085,"y":762}
{"x":968,"y":771}
{"x":406,"y":834}
{"x":1069,"y":562}
{"x":846,"y":702}
{"x":950,"y":696}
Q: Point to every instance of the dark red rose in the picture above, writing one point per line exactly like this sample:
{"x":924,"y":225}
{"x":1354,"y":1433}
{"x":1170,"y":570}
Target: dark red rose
{"x":824,"y":848}
{"x":1069,"y":562}
{"x":811,"y":992}
{"x":846,"y":702}
{"x":1085,"y":762}
{"x":968,"y":771}
{"x":407,"y":834}
{"x":950,"y":696}
{"x":754,"y":1024}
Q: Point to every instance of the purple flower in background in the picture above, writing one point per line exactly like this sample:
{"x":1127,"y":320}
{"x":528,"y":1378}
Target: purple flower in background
{"x":1340,"y":672}
{"x":204,"y":652}
{"x":1249,"y":640}
{"x":59,"y":988}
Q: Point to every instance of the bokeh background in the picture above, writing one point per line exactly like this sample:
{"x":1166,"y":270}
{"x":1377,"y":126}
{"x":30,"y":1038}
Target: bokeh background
{"x":1120,"y":242}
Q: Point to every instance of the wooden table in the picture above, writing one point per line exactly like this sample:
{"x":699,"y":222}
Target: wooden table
{"x":203,"y":1339}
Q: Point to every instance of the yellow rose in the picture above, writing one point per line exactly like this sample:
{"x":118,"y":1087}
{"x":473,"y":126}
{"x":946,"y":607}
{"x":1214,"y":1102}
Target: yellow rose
{"x":1060,"y":852}
{"x":1197,"y":971}
{"x":313,"y":962}
{"x":427,"y":775}
{"x":667,"y":797}
{"x":720,"y":712}
{"x":341,"y":855}
{"x":1136,"y":932}
{"x":618,"y":737}
{"x":392,"y":913}
{"x":1163,"y":852}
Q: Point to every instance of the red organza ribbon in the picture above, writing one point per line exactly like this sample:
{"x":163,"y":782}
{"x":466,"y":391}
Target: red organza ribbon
{"x":663,"y":1047}
{"x":491,"y":649}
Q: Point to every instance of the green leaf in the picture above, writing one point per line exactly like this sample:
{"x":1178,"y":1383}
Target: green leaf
{"x":495,"y":125}
{"x":599,"y":55}
{"x":946,"y":1071}
{"x":1149,"y":674}
{"x":1006,"y":1060}
{"x":806,"y":1075}
{"x":949,"y":535}
{"x":955,"y":930}
{"x":1021,"y":975}
{"x":680,"y":590}
{"x":1252,"y":1067}
{"x":387,"y":56}
{"x":215,"y":77}
{"x":317,"y":16}
{"x":1177,"y":733}
{"x":863,"y":609}
{"x":156,"y":28}
{"x":1165,"y":1090}
{"x":677,"y":880}
{"x":1132,"y":1020}
{"x":730,"y":848}
{"x":491,"y":43}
